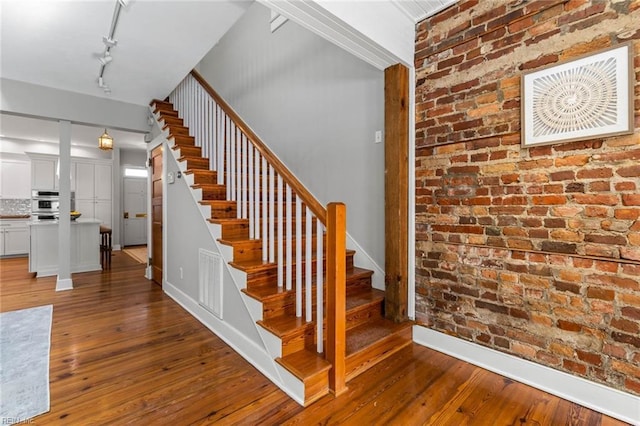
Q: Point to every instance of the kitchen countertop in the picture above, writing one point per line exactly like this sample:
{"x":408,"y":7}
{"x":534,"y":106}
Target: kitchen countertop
{"x":15,"y":216}
{"x":73,"y":222}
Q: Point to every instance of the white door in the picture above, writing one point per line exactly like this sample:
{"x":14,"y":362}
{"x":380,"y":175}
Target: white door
{"x":135,"y":211}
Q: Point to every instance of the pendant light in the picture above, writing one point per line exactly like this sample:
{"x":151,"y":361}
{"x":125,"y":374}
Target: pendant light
{"x":105,"y":141}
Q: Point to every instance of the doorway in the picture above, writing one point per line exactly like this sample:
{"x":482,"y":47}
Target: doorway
{"x":156,"y":214}
{"x":135,"y":211}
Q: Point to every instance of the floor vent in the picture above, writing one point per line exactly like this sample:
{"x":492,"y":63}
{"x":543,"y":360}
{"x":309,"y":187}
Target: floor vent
{"x":210,"y":281}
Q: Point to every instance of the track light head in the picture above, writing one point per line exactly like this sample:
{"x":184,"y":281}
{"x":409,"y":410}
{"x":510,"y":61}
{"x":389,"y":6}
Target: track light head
{"x":106,"y":58}
{"x":109,"y":42}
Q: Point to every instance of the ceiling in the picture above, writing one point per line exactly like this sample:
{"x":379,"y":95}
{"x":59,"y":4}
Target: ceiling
{"x":418,"y":10}
{"x":57,"y":43}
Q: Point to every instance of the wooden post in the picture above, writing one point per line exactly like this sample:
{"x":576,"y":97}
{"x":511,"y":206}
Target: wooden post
{"x":336,"y":295}
{"x":396,"y":188}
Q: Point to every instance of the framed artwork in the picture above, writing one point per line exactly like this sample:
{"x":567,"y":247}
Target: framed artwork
{"x":585,"y":98}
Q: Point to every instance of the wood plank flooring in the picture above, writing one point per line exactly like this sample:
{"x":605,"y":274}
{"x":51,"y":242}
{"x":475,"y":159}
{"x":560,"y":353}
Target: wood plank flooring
{"x":123,"y":352}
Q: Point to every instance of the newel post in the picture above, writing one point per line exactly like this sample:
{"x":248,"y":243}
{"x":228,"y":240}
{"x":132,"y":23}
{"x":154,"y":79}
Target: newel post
{"x":336,"y":295}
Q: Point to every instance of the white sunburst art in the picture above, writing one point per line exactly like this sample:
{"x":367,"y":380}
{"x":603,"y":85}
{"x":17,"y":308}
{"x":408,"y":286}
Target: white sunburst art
{"x":580,"y":99}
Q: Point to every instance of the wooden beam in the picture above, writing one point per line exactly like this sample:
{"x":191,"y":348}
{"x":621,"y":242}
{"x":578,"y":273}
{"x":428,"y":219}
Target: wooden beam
{"x":336,"y":296}
{"x":396,"y":188}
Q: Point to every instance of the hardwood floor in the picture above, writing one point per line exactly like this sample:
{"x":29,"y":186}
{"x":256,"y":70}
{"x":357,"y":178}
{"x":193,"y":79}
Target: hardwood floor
{"x":123,"y":352}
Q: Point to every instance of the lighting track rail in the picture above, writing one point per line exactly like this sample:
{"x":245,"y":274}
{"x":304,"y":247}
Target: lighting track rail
{"x":110,"y":42}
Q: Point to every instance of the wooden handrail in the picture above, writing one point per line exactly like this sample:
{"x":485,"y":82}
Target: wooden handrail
{"x":336,"y":296}
{"x":300,"y":190}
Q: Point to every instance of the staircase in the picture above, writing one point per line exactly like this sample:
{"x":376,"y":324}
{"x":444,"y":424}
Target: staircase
{"x":370,"y":337}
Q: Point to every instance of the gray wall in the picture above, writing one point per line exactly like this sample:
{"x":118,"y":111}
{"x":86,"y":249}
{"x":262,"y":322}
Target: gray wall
{"x":316,"y":106}
{"x":22,"y":98}
{"x":133,"y":157}
{"x":186,"y":232}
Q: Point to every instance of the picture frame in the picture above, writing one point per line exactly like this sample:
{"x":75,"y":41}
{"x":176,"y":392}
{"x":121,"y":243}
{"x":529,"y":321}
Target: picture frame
{"x":582,"y":98}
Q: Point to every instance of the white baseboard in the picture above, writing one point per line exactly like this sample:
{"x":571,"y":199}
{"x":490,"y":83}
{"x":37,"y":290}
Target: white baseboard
{"x":606,"y":400}
{"x":251,"y":352}
{"x":363,"y":260}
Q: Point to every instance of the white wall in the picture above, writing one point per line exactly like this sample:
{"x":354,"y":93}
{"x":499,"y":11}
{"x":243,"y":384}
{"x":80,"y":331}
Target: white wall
{"x":32,"y":100}
{"x":316,"y":106}
{"x":397,"y":35}
{"x":186,"y":232}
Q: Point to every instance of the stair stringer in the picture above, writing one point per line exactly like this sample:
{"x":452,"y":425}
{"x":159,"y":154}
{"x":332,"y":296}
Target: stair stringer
{"x":263,"y":355}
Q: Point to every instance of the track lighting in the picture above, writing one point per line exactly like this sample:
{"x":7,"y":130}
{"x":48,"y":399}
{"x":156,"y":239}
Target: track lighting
{"x":109,"y":42}
{"x":106,"y":58}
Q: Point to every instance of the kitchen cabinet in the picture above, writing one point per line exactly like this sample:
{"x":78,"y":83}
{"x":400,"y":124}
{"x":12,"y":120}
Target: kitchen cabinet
{"x":93,"y":187}
{"x":15,"y":179}
{"x":85,"y":247}
{"x":14,"y":237}
{"x":43,"y":173}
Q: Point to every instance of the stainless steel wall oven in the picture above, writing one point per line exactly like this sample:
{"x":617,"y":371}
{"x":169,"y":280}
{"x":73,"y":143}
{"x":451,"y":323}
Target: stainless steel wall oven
{"x":45,"y":204}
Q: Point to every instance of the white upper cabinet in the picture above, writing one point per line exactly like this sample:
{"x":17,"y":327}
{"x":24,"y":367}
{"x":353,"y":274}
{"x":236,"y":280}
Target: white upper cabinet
{"x":15,"y":179}
{"x":43,"y":173}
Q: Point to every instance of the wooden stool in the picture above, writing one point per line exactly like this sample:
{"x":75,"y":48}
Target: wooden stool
{"x":105,"y":247}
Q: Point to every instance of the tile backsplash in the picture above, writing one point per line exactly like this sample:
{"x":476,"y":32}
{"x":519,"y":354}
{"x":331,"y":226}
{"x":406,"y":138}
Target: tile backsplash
{"x":13,"y":206}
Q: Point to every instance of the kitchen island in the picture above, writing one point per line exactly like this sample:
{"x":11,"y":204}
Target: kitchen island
{"x":43,"y":250}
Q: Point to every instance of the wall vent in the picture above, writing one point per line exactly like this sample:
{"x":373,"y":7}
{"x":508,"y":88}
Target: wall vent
{"x":210,"y":281}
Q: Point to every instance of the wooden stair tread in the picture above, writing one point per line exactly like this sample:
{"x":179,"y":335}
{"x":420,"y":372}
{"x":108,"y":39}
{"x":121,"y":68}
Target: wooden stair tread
{"x":258,"y":264}
{"x":193,"y":158}
{"x":229,"y":221}
{"x":364,"y":336}
{"x":304,"y":364}
{"x":285,"y":324}
{"x":265,"y":293}
{"x":218,"y":203}
{"x":201,"y":172}
{"x":250,"y":266}
{"x":240,"y":240}
{"x":208,"y":186}
{"x":363,"y":297}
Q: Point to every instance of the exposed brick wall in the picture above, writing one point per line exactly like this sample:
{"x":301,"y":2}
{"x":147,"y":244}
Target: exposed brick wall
{"x":533,"y":252}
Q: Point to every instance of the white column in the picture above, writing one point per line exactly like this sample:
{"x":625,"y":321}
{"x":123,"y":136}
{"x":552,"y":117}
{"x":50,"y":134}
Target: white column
{"x":64,"y":281}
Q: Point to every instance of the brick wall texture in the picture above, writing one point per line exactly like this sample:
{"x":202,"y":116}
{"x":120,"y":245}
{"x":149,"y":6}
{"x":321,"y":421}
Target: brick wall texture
{"x":530,"y":251}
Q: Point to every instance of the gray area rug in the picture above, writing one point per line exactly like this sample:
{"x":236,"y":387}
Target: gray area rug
{"x":25,"y":339}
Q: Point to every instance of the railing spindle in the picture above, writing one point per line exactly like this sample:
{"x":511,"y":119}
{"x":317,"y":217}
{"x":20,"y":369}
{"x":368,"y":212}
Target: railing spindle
{"x":250,"y":186}
{"x":231,"y":176}
{"x":256,"y":202}
{"x":265,"y":212}
{"x":279,"y":239}
{"x":288,"y":242}
{"x":308,"y":263}
{"x":298,"y":257}
{"x":319,"y":287}
{"x":272,"y":230}
{"x":239,"y":173}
